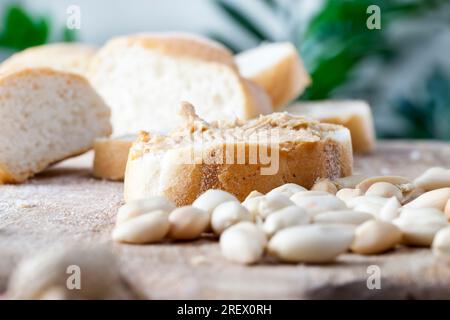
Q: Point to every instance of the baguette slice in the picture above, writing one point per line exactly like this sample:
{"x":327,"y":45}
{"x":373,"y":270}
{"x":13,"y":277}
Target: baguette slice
{"x":46,"y":116}
{"x":355,"y":115}
{"x":144,"y":77}
{"x":277,"y":68}
{"x":111,"y":156}
{"x":201,"y":156}
{"x":70,"y":57}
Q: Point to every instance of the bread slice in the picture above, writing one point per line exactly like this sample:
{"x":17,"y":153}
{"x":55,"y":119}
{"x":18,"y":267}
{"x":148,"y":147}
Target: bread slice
{"x":46,"y":116}
{"x":144,"y":78}
{"x":111,"y":156}
{"x":277,"y":68}
{"x":237,"y":156}
{"x":355,"y":115}
{"x":71,"y":57}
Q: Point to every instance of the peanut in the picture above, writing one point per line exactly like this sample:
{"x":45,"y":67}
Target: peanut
{"x":288,"y":189}
{"x":187,"y":223}
{"x":349,"y":182}
{"x":356,"y":201}
{"x":433,"y":178}
{"x":395,"y":180}
{"x":263,"y":206}
{"x":311,"y":243}
{"x":227,"y":214}
{"x":210,"y":199}
{"x":325,"y":185}
{"x":375,"y":236}
{"x":138,"y":207}
{"x":346,"y":194}
{"x":384,"y":190}
{"x":284,"y":218}
{"x":343,"y":217}
{"x":243,"y":243}
{"x":419,"y":225}
{"x":441,"y":244}
{"x":316,"y":204}
{"x":432,"y":199}
{"x":253,"y":194}
{"x":146,"y":228}
{"x":390,"y":210}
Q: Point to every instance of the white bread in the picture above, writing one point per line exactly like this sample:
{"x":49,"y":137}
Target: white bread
{"x":70,"y":57}
{"x":46,"y":116}
{"x":144,"y":77}
{"x":355,"y":115}
{"x":191,"y":160}
{"x":277,"y":68}
{"x":110,"y":156}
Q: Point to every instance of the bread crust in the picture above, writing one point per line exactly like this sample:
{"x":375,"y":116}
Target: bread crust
{"x":284,"y":80}
{"x":173,"y":44}
{"x":111,"y":156}
{"x":72,"y":57}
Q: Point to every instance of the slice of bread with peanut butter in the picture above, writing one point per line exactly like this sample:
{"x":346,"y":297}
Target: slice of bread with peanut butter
{"x":235,"y":156}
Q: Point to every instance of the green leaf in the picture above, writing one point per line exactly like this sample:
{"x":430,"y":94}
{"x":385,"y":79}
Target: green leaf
{"x":242,"y":20}
{"x":21,"y":31}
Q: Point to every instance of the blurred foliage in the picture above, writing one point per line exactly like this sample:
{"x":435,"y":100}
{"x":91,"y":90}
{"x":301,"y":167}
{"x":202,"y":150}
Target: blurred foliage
{"x":335,"y":42}
{"x":428,"y":114}
{"x":21,"y":29}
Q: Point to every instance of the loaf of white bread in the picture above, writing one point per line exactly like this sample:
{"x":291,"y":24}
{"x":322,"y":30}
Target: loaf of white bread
{"x":355,"y":115}
{"x":144,"y":77}
{"x":70,"y":57}
{"x":277,"y":68}
{"x":198,"y":156}
{"x":45,"y":117}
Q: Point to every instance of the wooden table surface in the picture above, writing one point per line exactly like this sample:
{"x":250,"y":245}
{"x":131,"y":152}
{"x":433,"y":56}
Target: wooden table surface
{"x":66,"y":205}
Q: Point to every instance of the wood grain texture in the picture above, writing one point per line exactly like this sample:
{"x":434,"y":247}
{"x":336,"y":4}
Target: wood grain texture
{"x":66,"y":205}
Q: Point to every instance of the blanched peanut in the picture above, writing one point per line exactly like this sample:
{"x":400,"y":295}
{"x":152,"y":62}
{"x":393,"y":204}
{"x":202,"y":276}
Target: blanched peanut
{"x":432,"y":199}
{"x":308,"y":193}
{"x":147,"y":228}
{"x":395,"y":180}
{"x":284,"y":218}
{"x":375,"y":236}
{"x":342,"y":217}
{"x":441,"y":244}
{"x":447,"y":210}
{"x":316,"y":204}
{"x":349,"y":182}
{"x":187,"y":223}
{"x":325,"y":185}
{"x":434,"y":178}
{"x":419,"y":225}
{"x":311,"y":243}
{"x":368,"y":207}
{"x":138,"y":207}
{"x":253,"y":194}
{"x":210,"y":199}
{"x":265,"y":205}
{"x":384,"y":190}
{"x":288,"y":189}
{"x":243,"y":243}
{"x":391,"y":210}
{"x":227,"y":214}
{"x":356,"y":201}
{"x":346,"y":194}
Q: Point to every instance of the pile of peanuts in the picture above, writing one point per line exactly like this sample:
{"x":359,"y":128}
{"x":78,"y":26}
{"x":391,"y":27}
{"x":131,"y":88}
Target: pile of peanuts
{"x":358,"y":214}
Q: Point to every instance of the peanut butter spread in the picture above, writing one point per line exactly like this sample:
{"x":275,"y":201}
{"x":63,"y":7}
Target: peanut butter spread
{"x":282,"y":128}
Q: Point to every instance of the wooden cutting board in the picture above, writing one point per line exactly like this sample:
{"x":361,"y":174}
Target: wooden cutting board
{"x":66,"y":205}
